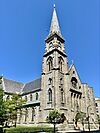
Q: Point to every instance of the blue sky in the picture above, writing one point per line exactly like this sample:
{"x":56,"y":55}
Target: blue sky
{"x":24,"y":24}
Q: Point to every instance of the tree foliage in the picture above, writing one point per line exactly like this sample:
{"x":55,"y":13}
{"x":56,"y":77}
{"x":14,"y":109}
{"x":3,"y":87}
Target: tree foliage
{"x":9,"y":108}
{"x":13,"y":105}
{"x":3,"y":109}
{"x":80,"y":117}
{"x":55,"y":117}
{"x":98,"y":120}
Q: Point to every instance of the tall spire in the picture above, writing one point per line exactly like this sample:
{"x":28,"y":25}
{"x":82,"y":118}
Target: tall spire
{"x":54,"y":23}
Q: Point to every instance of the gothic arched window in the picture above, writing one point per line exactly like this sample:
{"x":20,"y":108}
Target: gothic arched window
{"x":26,"y":114}
{"x":62,"y":95}
{"x":37,"y":96}
{"x":50,"y":81}
{"x":61,"y":63}
{"x":74,"y":82}
{"x":31,"y":97}
{"x":49,"y":63}
{"x":50,"y":45}
{"x":25,"y":98}
{"x":50,"y":95}
{"x":59,"y":44}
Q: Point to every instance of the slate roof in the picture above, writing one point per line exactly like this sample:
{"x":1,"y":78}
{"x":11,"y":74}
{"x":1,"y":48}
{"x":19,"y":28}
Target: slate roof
{"x":32,"y":86}
{"x":12,"y":86}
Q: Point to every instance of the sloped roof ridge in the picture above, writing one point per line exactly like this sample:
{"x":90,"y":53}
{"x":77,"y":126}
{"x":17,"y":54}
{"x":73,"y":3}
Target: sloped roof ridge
{"x":12,"y":86}
{"x":32,"y":85}
{"x":32,"y":81}
{"x":12,"y":80}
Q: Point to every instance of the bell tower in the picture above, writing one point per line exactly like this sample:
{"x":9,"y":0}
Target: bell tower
{"x":54,"y":69}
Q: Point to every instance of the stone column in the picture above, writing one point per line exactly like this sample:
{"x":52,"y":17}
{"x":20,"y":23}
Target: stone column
{"x":74,"y":101}
{"x":23,"y":115}
{"x":80,"y":101}
{"x":71,"y":100}
{"x":29,"y":115}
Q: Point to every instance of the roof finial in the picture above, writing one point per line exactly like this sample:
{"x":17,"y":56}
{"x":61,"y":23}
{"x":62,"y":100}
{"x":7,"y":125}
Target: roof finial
{"x":54,"y":5}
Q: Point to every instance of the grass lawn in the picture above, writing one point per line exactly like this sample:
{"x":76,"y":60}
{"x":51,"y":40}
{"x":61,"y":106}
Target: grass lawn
{"x":25,"y":129}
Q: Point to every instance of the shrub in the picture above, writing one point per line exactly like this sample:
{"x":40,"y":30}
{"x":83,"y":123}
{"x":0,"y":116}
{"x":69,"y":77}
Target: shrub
{"x":23,"y":129}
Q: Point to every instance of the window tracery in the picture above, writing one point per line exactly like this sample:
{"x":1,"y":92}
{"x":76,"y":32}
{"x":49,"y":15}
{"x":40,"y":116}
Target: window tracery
{"x":74,"y":82}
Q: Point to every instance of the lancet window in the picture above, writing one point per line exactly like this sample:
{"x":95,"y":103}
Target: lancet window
{"x":62,"y":95}
{"x":33,"y":114}
{"x":74,"y":82}
{"x":50,"y":95}
{"x":50,"y":45}
{"x":50,"y":63}
{"x":37,"y":96}
{"x":50,"y":81}
{"x":25,"y":98}
{"x":31,"y":98}
{"x":61,"y":64}
{"x":26,"y":114}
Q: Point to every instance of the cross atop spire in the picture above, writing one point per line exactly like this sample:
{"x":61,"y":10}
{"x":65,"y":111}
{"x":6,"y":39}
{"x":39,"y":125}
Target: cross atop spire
{"x":54,"y":6}
{"x":54,"y":23}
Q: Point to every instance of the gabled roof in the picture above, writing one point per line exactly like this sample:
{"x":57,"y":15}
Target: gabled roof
{"x":11,"y":86}
{"x":32,"y":86}
{"x":70,"y":71}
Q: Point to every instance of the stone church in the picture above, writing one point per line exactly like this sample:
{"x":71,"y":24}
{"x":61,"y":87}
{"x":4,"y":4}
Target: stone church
{"x":59,"y":86}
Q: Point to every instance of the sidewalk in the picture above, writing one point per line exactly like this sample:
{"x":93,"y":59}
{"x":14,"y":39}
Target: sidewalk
{"x":79,"y":131}
{"x":69,"y":131}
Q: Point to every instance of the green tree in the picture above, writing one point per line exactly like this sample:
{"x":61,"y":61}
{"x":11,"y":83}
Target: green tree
{"x":13,"y":105}
{"x":80,"y":116}
{"x":3,"y":111}
{"x":9,"y":108}
{"x":98,"y":120}
{"x":55,"y":118}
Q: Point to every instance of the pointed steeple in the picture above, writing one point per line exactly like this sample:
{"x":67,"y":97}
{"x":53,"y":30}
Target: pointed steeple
{"x":54,"y":28}
{"x":54,"y":24}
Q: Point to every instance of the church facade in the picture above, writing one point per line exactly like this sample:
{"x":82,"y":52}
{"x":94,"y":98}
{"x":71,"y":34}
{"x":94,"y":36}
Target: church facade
{"x":59,"y":86}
